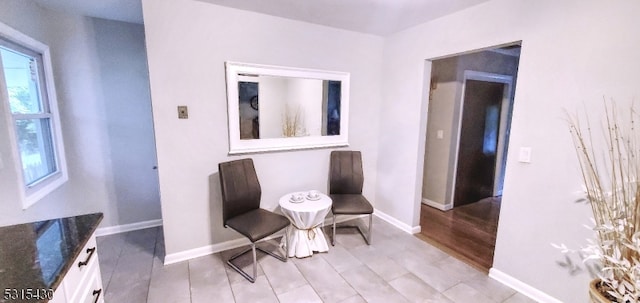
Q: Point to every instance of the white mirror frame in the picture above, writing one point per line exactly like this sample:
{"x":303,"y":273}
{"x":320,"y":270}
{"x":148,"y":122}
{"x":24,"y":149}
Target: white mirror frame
{"x":238,"y":146}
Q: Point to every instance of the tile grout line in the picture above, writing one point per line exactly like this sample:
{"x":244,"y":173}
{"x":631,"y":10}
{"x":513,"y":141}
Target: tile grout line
{"x":115,"y":266}
{"x":358,"y":292}
{"x":268,"y":282}
{"x":189,"y":277}
{"x":307,"y":280}
{"x":366,"y":265}
{"x":343,"y":277}
{"x":388,"y":282}
{"x":120,"y":253}
{"x":226,"y":272}
{"x":155,"y":251}
{"x":363,"y":264}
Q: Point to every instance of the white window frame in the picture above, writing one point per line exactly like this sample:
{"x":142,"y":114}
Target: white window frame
{"x":31,"y":195}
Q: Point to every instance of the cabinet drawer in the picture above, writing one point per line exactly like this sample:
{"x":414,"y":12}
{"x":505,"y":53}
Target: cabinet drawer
{"x":92,"y":291}
{"x":86,"y":262}
{"x":59,"y":296}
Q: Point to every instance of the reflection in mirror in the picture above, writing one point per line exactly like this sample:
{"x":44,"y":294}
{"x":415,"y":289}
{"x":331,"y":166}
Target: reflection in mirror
{"x":281,"y":108}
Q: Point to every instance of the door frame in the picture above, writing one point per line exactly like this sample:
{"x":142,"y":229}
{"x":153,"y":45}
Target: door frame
{"x":505,"y":110}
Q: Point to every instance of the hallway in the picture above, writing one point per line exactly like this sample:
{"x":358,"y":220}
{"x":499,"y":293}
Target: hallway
{"x":467,"y":232}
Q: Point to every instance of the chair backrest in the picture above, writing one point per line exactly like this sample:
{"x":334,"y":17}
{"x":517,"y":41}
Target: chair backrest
{"x":345,"y":172}
{"x":241,"y":190}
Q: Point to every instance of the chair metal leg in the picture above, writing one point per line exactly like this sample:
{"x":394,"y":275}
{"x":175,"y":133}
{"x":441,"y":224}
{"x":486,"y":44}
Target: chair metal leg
{"x":367,"y":236}
{"x":238,"y":269}
{"x":333,"y":237}
{"x":286,"y":243}
{"x":253,"y":248}
{"x":255,"y":263}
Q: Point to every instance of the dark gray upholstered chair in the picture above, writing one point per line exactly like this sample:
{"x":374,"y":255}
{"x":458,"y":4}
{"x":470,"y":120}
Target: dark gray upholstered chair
{"x":345,"y":189}
{"x":241,"y":210}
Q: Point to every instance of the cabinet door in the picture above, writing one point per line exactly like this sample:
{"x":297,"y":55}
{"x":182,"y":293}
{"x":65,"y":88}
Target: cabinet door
{"x":59,"y":295}
{"x":93,"y":292}
{"x":83,"y":283}
{"x":82,"y":267}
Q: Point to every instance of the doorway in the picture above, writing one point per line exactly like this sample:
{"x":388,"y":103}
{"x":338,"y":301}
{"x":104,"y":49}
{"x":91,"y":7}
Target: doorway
{"x":469,"y":116}
{"x":484,"y":127}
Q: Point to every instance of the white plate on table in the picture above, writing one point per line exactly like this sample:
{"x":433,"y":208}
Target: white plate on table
{"x":312,"y":199}
{"x":293,"y":200}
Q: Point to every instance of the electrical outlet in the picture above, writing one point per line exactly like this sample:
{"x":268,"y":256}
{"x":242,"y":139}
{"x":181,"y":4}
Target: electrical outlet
{"x":183,"y":112}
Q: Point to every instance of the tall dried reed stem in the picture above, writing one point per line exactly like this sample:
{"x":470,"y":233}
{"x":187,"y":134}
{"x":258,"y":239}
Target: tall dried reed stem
{"x":612,"y":187}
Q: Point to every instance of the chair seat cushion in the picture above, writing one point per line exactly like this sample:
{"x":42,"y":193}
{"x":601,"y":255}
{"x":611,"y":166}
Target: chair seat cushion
{"x":350,"y":204}
{"x":258,"y":223}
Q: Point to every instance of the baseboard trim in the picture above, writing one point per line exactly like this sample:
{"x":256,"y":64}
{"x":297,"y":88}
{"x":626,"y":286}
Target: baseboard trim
{"x":397,"y":223}
{"x":434,"y":204}
{"x":204,"y":251}
{"x":110,"y":230}
{"x":521,"y":287}
{"x":231,"y":244}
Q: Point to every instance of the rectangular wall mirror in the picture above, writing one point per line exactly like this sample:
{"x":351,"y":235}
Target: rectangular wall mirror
{"x":274,"y":108}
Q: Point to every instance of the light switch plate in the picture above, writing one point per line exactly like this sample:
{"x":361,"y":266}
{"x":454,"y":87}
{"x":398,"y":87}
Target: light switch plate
{"x":440,"y":134}
{"x":183,"y":112}
{"x":525,"y":155}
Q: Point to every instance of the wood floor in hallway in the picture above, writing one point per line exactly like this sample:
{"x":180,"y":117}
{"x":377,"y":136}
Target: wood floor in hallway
{"x":467,"y":232}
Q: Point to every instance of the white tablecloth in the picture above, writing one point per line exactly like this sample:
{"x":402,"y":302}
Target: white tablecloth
{"x":305,"y":233}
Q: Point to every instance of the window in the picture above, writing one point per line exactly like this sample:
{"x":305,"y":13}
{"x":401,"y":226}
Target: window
{"x":26,"y":88}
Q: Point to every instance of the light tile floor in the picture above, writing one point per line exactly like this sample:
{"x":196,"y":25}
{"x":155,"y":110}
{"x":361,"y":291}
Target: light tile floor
{"x":396,"y":267}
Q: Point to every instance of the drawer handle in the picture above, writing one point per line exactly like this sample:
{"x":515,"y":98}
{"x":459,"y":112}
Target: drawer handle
{"x":96,"y":293}
{"x":90,"y":251}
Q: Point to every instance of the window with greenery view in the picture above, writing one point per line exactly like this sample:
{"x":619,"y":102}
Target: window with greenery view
{"x":33,"y":118}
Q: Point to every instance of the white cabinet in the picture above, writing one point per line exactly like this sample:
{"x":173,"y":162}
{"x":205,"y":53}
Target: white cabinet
{"x":93,"y":291}
{"x":83,"y":282}
{"x":59,"y":296}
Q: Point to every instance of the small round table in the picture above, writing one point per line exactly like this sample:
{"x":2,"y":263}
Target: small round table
{"x":307,"y":217}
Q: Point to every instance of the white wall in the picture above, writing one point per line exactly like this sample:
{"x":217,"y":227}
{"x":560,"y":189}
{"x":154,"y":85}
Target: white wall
{"x":573,"y":53}
{"x":124,"y":77}
{"x":438,"y":153}
{"x":94,"y":100}
{"x":188,"y":43}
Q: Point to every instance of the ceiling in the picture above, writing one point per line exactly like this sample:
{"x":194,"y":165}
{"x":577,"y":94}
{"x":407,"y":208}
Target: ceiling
{"x":120,"y":10}
{"x":378,"y":17}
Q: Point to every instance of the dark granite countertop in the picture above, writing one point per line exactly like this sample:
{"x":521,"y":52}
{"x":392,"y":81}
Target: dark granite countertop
{"x":36,"y":256}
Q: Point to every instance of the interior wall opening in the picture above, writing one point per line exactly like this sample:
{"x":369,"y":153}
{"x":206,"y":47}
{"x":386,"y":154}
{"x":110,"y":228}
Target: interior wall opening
{"x":468,"y":124}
